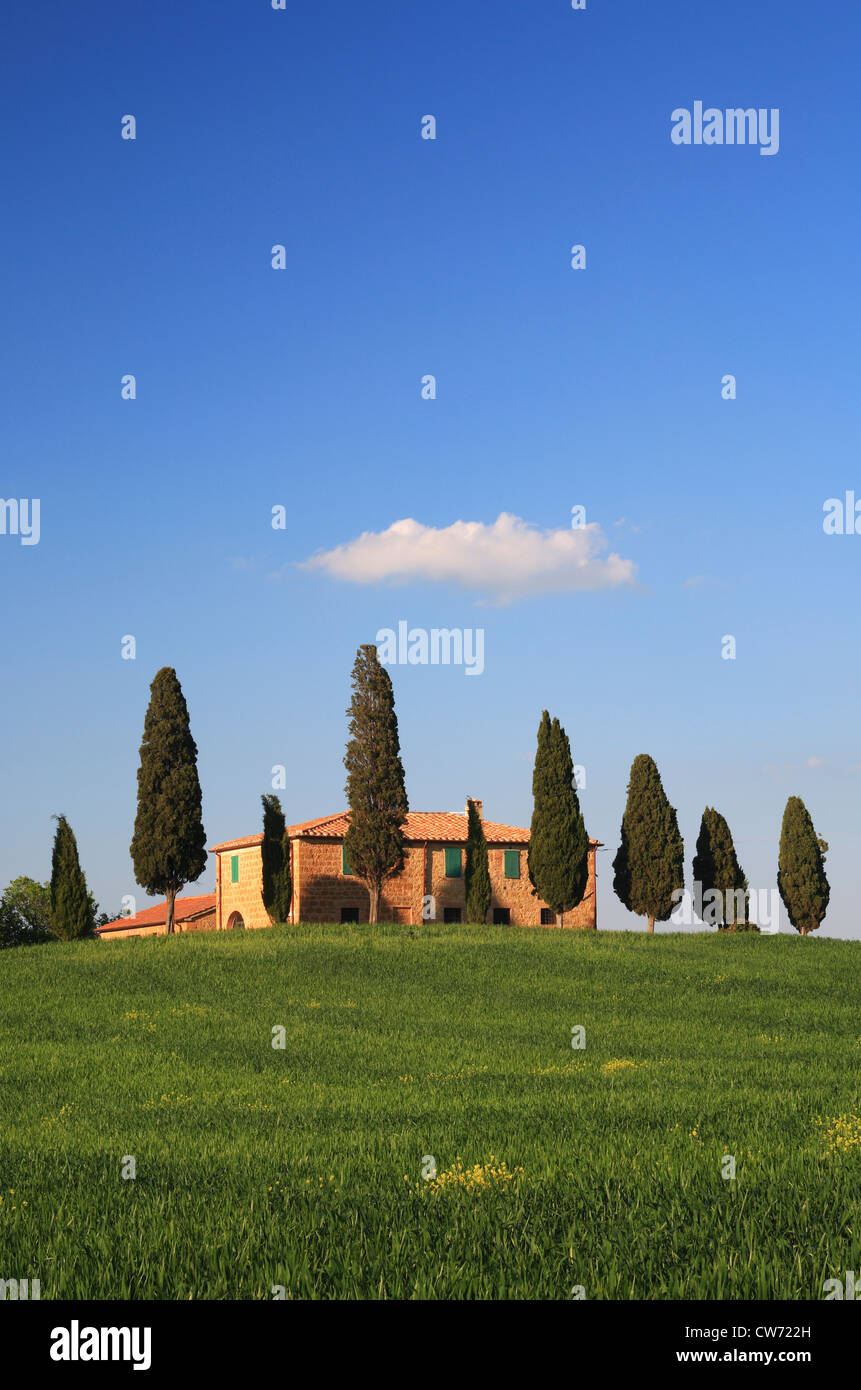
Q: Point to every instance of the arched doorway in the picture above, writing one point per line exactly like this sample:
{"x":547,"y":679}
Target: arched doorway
{"x":235,"y":922}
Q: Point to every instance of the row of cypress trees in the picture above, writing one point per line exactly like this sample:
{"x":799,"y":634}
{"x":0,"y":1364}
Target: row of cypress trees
{"x":649,"y":865}
{"x":169,"y":844}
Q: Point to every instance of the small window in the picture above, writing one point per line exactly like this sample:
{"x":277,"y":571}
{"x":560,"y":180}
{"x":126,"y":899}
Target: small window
{"x":501,"y":917}
{"x":451,"y":914}
{"x":548,"y":918}
{"x":452,"y":864}
{"x":349,"y":914}
{"x":345,"y":863}
{"x":512,"y":863}
{"x":234,"y":868}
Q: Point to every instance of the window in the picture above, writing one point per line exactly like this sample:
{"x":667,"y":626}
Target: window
{"x":235,"y":922}
{"x":345,"y":864}
{"x":548,"y":918}
{"x":512,"y":863}
{"x":501,"y":917}
{"x":452,"y":864}
{"x":451,"y":914}
{"x":234,"y":868}
{"x":349,"y":914}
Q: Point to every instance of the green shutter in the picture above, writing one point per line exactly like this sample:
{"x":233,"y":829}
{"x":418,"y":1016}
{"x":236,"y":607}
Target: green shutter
{"x":452,"y":863}
{"x":512,"y":863}
{"x":345,"y":866}
{"x":234,"y":868}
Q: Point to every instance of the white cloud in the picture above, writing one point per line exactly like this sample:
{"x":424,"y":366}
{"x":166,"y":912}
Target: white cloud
{"x":506,"y":560}
{"x":815,"y":762}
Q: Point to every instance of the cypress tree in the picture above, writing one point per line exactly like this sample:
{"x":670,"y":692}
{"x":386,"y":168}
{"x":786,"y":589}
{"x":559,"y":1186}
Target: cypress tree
{"x":277,"y":886}
{"x":169,"y":843}
{"x":558,"y":856}
{"x":649,"y":865}
{"x":476,"y":874}
{"x":716,"y":868}
{"x":71,"y":908}
{"x":376,"y":794}
{"x":801,"y":869}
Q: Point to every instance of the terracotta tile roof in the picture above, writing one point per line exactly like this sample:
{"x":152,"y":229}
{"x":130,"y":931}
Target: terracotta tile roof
{"x":242,"y":843}
{"x":183,"y":911}
{"x":420,"y":825}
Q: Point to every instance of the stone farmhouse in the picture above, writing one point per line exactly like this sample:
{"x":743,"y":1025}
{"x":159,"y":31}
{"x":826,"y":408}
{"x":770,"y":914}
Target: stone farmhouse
{"x":429,"y":887}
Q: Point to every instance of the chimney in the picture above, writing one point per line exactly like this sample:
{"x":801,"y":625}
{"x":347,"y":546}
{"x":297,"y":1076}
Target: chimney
{"x":477,"y":804}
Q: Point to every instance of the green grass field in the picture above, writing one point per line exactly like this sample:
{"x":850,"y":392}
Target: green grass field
{"x":302,"y":1167}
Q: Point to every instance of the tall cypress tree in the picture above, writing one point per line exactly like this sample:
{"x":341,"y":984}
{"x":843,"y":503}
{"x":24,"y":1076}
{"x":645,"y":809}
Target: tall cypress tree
{"x":277,"y":886}
{"x":476,"y":874}
{"x":169,"y":843}
{"x":716,"y":868}
{"x":558,"y":856}
{"x":649,"y":865}
{"x":801,"y":869}
{"x":376,"y":794}
{"x":71,"y":907}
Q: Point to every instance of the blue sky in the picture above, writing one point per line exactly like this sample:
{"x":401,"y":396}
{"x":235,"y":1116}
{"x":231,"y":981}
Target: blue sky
{"x":555,"y":387}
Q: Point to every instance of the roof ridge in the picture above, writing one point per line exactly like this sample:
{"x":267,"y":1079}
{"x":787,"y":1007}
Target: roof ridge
{"x":320,"y":824}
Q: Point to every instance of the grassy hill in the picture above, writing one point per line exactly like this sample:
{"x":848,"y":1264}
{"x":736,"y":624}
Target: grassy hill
{"x":556,"y":1167}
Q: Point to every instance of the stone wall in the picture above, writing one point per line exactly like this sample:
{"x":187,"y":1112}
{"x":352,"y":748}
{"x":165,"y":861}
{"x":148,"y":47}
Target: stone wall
{"x":206,"y":922}
{"x":244,"y":897}
{"x":321,"y":891}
